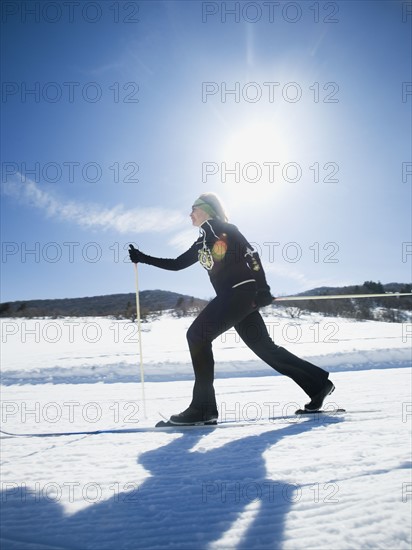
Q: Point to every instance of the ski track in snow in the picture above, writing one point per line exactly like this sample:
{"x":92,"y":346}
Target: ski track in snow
{"x":280,"y":482}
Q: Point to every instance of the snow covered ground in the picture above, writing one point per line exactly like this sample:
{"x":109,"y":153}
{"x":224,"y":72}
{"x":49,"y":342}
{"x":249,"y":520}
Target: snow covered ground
{"x":275,"y":481}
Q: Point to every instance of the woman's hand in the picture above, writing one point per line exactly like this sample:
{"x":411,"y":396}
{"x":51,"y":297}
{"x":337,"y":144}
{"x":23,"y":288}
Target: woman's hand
{"x":135,"y":255}
{"x":263,"y":298}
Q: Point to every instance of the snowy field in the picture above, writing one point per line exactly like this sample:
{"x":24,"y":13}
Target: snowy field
{"x":274,"y":481}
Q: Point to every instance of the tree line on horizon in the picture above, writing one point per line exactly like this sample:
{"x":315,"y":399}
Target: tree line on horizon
{"x":389,"y":309}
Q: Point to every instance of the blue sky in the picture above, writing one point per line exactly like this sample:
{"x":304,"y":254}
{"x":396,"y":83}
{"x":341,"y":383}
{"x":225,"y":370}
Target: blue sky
{"x":117,"y":115}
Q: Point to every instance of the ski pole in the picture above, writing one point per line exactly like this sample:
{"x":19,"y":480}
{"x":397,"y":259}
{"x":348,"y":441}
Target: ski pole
{"x":340,"y":296}
{"x":139,"y":330}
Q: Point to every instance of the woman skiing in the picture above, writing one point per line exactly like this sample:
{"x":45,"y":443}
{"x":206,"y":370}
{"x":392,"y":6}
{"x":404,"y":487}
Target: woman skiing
{"x":237,"y":275}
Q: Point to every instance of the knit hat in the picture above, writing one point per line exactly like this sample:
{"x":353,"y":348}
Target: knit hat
{"x":210,"y":203}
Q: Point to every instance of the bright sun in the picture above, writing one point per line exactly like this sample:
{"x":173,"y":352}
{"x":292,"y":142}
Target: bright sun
{"x":253,"y":157}
{"x":257,"y":142}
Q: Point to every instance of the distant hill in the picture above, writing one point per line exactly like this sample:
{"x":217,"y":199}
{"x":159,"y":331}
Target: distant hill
{"x":118,"y":305}
{"x":367,"y":287}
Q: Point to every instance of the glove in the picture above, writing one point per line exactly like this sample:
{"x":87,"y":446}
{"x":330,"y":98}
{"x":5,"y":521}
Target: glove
{"x":135,"y":255}
{"x":263,"y":298}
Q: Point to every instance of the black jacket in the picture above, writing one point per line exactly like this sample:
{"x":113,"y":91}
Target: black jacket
{"x":224,"y":252}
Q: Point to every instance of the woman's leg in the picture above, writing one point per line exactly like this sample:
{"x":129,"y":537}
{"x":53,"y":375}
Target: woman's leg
{"x":253,"y":331}
{"x":222,"y":313}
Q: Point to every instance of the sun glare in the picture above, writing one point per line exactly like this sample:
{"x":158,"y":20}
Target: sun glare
{"x":253,"y":160}
{"x":256,"y":142}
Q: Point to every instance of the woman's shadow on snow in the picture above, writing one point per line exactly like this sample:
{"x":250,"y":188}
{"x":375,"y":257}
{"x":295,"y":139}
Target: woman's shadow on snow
{"x":194,"y":495}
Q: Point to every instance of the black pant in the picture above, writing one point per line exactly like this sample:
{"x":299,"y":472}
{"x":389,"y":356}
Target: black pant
{"x":235,"y":308}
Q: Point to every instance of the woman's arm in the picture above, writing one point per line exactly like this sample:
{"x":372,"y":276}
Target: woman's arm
{"x":186,"y":259}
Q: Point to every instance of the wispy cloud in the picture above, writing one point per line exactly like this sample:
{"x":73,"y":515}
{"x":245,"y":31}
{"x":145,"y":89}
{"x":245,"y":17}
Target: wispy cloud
{"x":89,"y":215}
{"x":184,"y":239}
{"x":285,"y":272}
{"x":107,"y":68}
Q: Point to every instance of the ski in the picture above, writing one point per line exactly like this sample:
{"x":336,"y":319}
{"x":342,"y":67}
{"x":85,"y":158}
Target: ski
{"x":321,"y":411}
{"x":168,"y":424}
{"x":263,"y":422}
